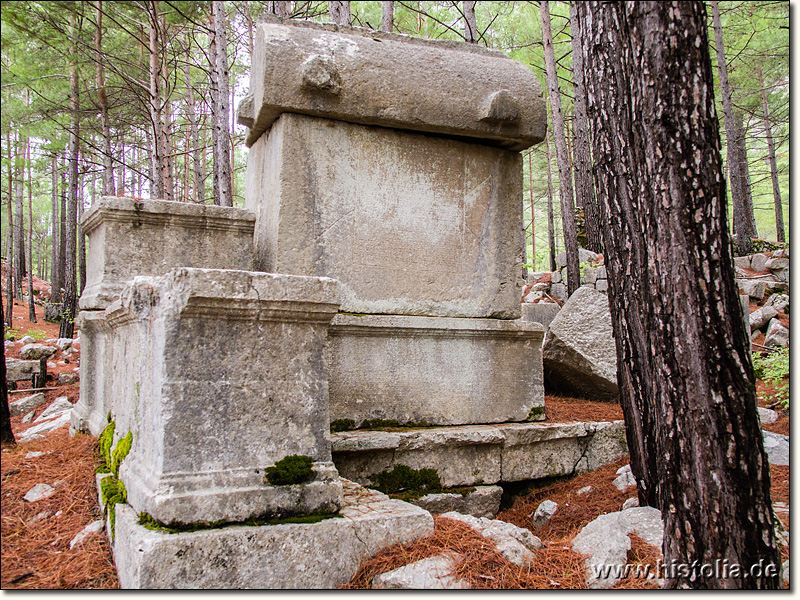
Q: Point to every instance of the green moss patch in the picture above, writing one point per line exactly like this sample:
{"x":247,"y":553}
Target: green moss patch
{"x":536,"y":414}
{"x":342,"y":425}
{"x":148,"y":522}
{"x":411,"y":483}
{"x":121,"y":451}
{"x":106,"y":440}
{"x":290,"y":470}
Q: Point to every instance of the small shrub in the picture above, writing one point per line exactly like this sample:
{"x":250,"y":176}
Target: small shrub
{"x":37,"y":334}
{"x":11,"y":334}
{"x":405,"y":479}
{"x":773,"y":368}
{"x":291,"y":470}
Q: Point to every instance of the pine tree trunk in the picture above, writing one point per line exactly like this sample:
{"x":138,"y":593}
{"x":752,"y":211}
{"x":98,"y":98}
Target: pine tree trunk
{"x":279,"y":9}
{"x":470,"y":22}
{"x":744,"y":234}
{"x":564,"y":170}
{"x":10,"y":248}
{"x":105,"y":123}
{"x":744,"y":171}
{"x":773,"y":164}
{"x":55,"y":281}
{"x":6,"y":433}
{"x":685,"y":374}
{"x":584,"y":187}
{"x":157,"y":152}
{"x":82,"y":243}
{"x":194,"y":135}
{"x":387,"y":20}
{"x":31,"y":303}
{"x":339,"y":12}
{"x":222,"y":154}
{"x":62,"y":240}
{"x":19,"y":237}
{"x":551,"y":237}
{"x":533,"y":211}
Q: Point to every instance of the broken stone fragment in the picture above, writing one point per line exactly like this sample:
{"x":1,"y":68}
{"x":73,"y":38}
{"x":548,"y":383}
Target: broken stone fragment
{"x":434,"y":573}
{"x":544,"y":512}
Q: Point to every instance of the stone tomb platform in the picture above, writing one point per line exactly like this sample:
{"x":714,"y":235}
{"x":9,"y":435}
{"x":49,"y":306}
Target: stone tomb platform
{"x":219,"y":374}
{"x":482,"y":454}
{"x":435,"y":370}
{"x":321,"y":555}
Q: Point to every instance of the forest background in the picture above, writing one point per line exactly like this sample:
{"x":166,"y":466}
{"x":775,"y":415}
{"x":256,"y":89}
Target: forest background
{"x":138,"y":98}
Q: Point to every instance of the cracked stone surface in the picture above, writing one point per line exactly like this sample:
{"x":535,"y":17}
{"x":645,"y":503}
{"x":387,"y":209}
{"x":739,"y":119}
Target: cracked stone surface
{"x":516,"y":544}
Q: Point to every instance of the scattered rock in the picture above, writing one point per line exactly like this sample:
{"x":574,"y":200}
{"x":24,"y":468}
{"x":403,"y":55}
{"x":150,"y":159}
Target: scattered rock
{"x":434,"y":573}
{"x":19,"y":370}
{"x":555,"y":277}
{"x":760,"y":317}
{"x":742,"y":262}
{"x":758,"y":262}
{"x":35,"y":454}
{"x":767,"y":415}
{"x":785,"y":573}
{"x":59,"y":406}
{"x":541,"y":312}
{"x":625,"y":478}
{"x":753,"y":288}
{"x":484,"y":501}
{"x":26,"y":404}
{"x":39,"y":492}
{"x":37,"y":517}
{"x":579,"y":355}
{"x":36,"y":351}
{"x":778,"y":301}
{"x":605,"y":541}
{"x":585,"y":490}
{"x":27,"y":339}
{"x":777,"y":335}
{"x":29,"y":417}
{"x":777,"y":448}
{"x":544,"y":513}
{"x":51,"y":365}
{"x":513,"y":543}
{"x":558,"y":291}
{"x":630,"y":503}
{"x":777,"y":264}
{"x":68,"y":378}
{"x":35,"y":432}
{"x":63,"y":343}
{"x":93,"y":527}
{"x":601,"y":285}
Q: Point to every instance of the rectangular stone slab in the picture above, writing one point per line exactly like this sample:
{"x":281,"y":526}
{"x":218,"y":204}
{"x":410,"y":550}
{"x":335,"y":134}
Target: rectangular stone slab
{"x":91,"y":411}
{"x":409,"y":224}
{"x":219,"y":374}
{"x":437,"y":370}
{"x":373,"y":78}
{"x":129,"y":237}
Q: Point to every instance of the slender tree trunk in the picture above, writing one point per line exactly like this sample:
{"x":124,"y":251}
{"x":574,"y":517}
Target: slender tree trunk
{"x":10,"y":250}
{"x":564,"y":171}
{"x":678,"y":326}
{"x":551,"y":236}
{"x":222,"y":154}
{"x":194,"y":136}
{"x":157,"y":152}
{"x":55,"y":281}
{"x":470,"y":22}
{"x":387,"y":22}
{"x":105,"y":123}
{"x":82,"y":242}
{"x":533,"y":211}
{"x":31,"y":303}
{"x":584,"y":186}
{"x":744,"y":171}
{"x":70,"y":280}
{"x":773,"y":164}
{"x":6,"y":433}
{"x":339,"y":12}
{"x":19,"y":236}
{"x":744,"y":235}
{"x":279,"y":9}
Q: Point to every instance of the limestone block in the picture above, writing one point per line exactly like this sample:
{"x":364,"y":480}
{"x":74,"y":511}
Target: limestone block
{"x":559,"y":291}
{"x":94,"y":404}
{"x":541,"y":312}
{"x":742,"y":262}
{"x":19,"y":370}
{"x":777,"y":264}
{"x":409,"y":224}
{"x":744,"y":301}
{"x":36,"y":351}
{"x":555,"y":277}
{"x":373,"y":78}
{"x":435,"y":370}
{"x":128,"y":237}
{"x":767,"y":415}
{"x":584,"y":256}
{"x":26,"y":404}
{"x":434,"y":573}
{"x":484,"y":501}
{"x":321,"y":555}
{"x":601,"y":285}
{"x":219,"y":374}
{"x":777,"y":301}
{"x":777,"y":334}
{"x":758,"y":262}
{"x":579,"y":354}
{"x":760,"y":317}
{"x":517,"y":545}
{"x":754,"y":288}
{"x":607,"y":443}
{"x":544,"y":512}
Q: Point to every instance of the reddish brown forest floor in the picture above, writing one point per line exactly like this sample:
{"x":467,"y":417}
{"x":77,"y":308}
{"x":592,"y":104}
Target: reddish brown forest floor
{"x":36,"y":554}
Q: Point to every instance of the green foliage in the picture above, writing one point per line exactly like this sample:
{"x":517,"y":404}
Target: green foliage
{"x":121,"y":450}
{"x":37,"y":334}
{"x":290,"y":470}
{"x":412,"y":483}
{"x":11,"y":334}
{"x":767,"y":246}
{"x":773,"y":368}
{"x":105,"y":441}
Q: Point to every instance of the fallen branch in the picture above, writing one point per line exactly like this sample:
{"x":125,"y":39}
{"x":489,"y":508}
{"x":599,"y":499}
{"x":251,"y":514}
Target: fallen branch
{"x":54,"y":387}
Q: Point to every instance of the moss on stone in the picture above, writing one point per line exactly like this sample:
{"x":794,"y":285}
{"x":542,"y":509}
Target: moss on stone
{"x":290,"y":470}
{"x":121,"y":451}
{"x":412,"y":483}
{"x":112,"y":492}
{"x":148,"y":522}
{"x":105,"y":441}
{"x":342,"y":425}
{"x":536,"y":414}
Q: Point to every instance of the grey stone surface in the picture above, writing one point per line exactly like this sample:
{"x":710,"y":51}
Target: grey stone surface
{"x":777,"y":264}
{"x":630,"y":503}
{"x":128,"y":237}
{"x":767,"y":415}
{"x":67,"y":378}
{"x":470,"y":455}
{"x":584,"y":490}
{"x":28,"y":403}
{"x":541,"y":312}
{"x":760,"y":317}
{"x":93,"y":527}
{"x":742,"y":262}
{"x":584,"y":256}
{"x":28,"y":417}
{"x":36,"y":351}
{"x":484,"y":501}
{"x":57,"y":408}
{"x":778,"y":301}
{"x":754,"y":288}
{"x":39,"y":492}
{"x":758,"y":262}
{"x":624,"y":479}
{"x":434,"y":573}
{"x":579,"y":354}
{"x":95,"y":401}
{"x":605,"y":541}
{"x":543,"y":513}
{"x":601,"y":285}
{"x":37,"y":431}
{"x":515,"y":544}
{"x":219,"y":374}
{"x":409,"y":224}
{"x":776,"y":447}
{"x":441,"y":371}
{"x":785,"y":572}
{"x":333,"y":72}
{"x":555,"y":277}
{"x":27,"y":339}
{"x":558,"y":291}
{"x":744,"y":301}
{"x":777,"y":335}
{"x":321,"y":555}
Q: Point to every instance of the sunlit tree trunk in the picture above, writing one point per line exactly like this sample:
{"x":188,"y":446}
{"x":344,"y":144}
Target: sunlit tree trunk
{"x":339,"y":12}
{"x":387,"y":20}
{"x":551,"y":235}
{"x":108,"y":168}
{"x":470,"y":21}
{"x":773,"y":164}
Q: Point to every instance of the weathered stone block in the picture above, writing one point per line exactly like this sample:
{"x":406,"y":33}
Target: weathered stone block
{"x":320,"y":555}
{"x":218,"y":375}
{"x":409,"y":224}
{"x":97,"y":360}
{"x":19,"y":370}
{"x":439,"y":371}
{"x":541,"y":312}
{"x":483,"y":501}
{"x":129,"y":237}
{"x":373,"y":78}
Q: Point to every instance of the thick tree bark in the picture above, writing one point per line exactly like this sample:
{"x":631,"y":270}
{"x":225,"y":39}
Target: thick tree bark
{"x":744,"y":234}
{"x":564,"y":170}
{"x":105,"y":123}
{"x":222,"y":154}
{"x":387,"y":20}
{"x":685,"y":374}
{"x":470,"y":22}
{"x":584,"y":186}
{"x":339,"y":12}
{"x":551,"y":237}
{"x":6,"y":433}
{"x":773,"y":164}
{"x":31,"y":303}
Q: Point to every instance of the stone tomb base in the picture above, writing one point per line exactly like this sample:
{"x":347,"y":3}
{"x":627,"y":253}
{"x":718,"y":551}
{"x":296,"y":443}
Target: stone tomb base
{"x":482,"y":454}
{"x":321,"y":555}
{"x":435,"y":370}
